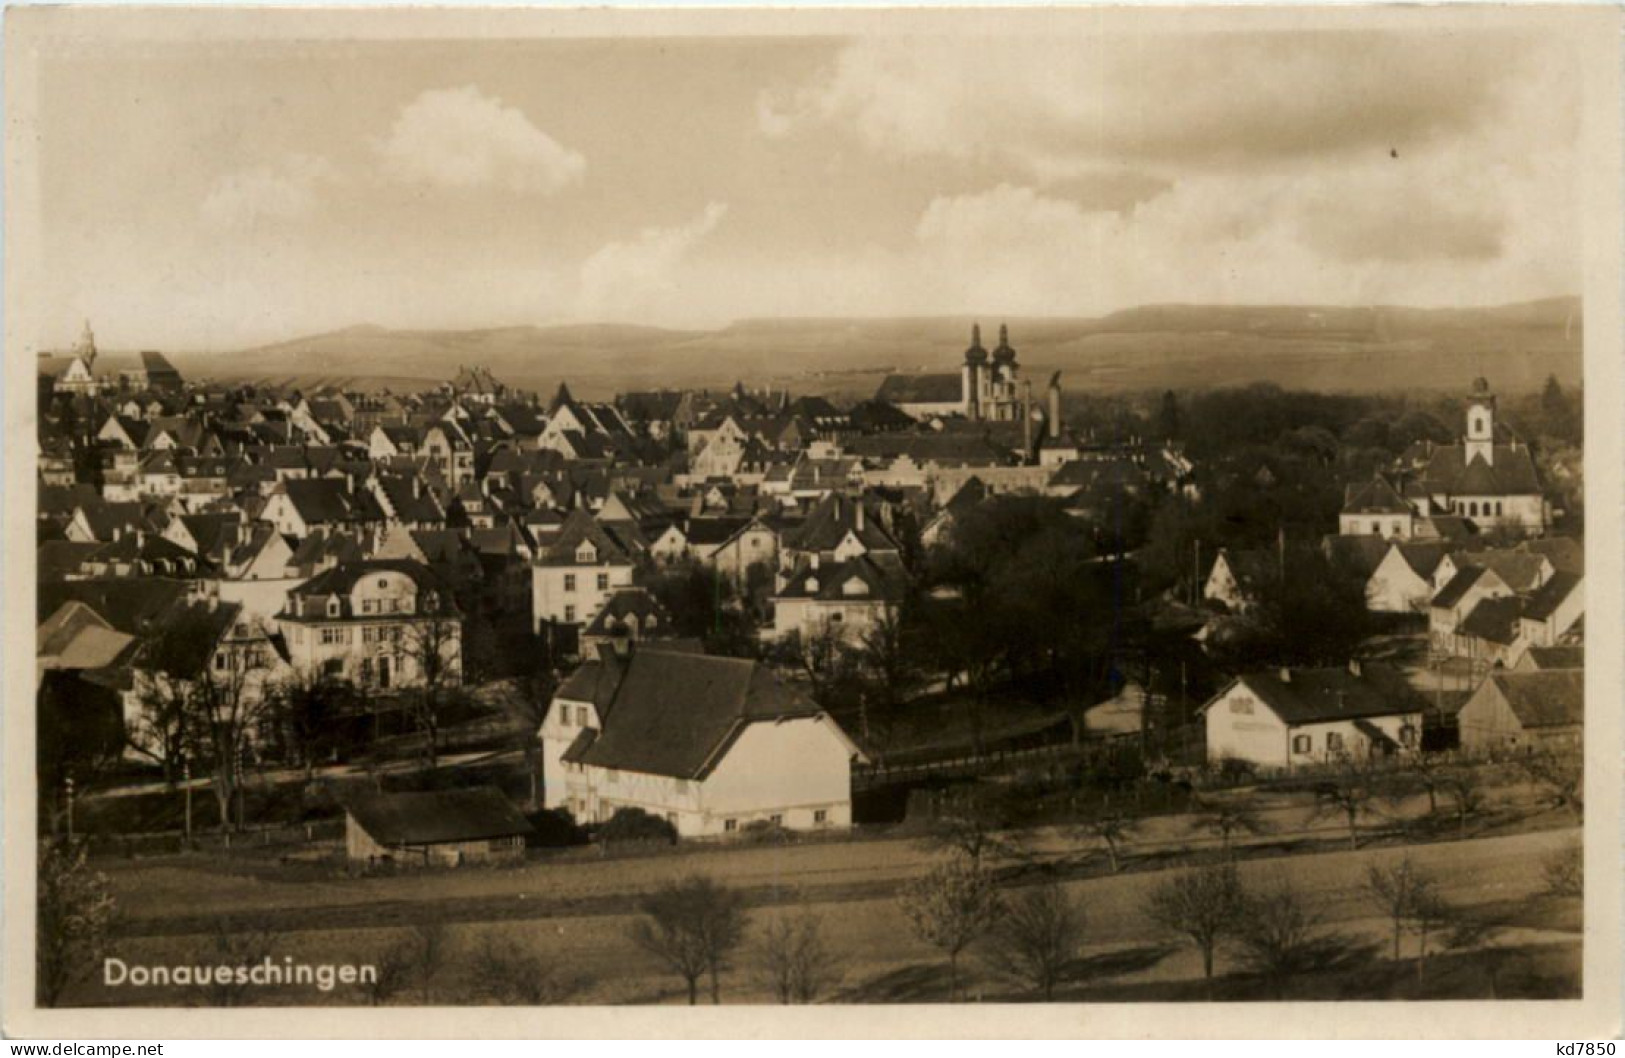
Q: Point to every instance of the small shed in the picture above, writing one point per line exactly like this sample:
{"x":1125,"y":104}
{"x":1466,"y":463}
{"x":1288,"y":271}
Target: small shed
{"x":446,"y":828}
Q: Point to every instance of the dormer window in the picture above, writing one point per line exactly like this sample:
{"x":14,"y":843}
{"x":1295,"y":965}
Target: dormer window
{"x":586,"y":552}
{"x":855,"y":587}
{"x":333,"y":607}
{"x":811,"y":585}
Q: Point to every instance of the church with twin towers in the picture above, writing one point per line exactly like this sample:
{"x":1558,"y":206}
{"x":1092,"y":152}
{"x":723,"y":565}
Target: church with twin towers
{"x":987,"y":388}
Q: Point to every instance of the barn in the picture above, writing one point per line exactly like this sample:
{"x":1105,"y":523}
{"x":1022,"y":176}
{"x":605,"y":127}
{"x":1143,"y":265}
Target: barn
{"x":446,"y":828}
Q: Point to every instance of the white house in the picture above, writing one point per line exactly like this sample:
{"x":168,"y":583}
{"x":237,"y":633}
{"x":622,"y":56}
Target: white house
{"x":377,"y":623}
{"x":710,"y":744}
{"x":582,"y":567}
{"x":1294,"y":717}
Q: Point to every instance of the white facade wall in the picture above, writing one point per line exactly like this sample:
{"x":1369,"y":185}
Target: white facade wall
{"x":1386,"y":525}
{"x":796,"y":772}
{"x":573,"y":594}
{"x":1394,"y":587}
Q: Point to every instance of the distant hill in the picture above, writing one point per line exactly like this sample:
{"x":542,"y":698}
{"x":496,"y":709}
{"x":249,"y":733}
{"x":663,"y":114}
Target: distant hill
{"x":1148,"y":347}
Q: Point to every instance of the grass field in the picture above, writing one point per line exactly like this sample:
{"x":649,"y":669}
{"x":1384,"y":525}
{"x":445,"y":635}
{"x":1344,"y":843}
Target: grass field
{"x":573,"y":913}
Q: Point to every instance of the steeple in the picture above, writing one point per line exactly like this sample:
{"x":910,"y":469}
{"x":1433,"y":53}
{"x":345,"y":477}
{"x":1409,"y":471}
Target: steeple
{"x":975,"y":354}
{"x":1004,"y":354}
{"x":86,"y":349}
{"x":1480,"y":440}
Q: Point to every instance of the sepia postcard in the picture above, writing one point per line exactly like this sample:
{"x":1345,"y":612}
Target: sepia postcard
{"x":1076,"y":521}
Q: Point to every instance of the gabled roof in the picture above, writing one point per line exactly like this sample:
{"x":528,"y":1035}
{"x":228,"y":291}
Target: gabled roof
{"x":1549,"y":596}
{"x":832,"y":518}
{"x":1547,"y":658}
{"x":676,"y":714}
{"x":1453,"y":592}
{"x":1495,"y":620}
{"x":1566,"y":554}
{"x":1423,"y":557}
{"x":1377,"y":496}
{"x":1311,"y":696}
{"x":341,"y":579}
{"x":880,"y":574}
{"x":132,"y":606}
{"x":438,"y":816}
{"x":1364,"y":553}
{"x":1449,"y":472}
{"x":1544,"y":699}
{"x":581,"y":526}
{"x":628,"y":603}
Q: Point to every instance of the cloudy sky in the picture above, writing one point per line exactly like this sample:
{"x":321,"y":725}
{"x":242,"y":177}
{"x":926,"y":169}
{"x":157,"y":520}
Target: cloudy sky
{"x":219,"y":196}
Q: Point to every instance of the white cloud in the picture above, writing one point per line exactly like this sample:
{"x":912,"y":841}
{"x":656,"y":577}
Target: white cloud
{"x":460,"y":138}
{"x":641,"y":276}
{"x":266,"y":194}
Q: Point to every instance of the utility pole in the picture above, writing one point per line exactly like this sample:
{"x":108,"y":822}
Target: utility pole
{"x":67,"y":788}
{"x":186,"y":779}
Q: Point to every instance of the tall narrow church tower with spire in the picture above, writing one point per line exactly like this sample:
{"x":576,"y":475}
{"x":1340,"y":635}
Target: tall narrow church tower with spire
{"x":990,"y":384}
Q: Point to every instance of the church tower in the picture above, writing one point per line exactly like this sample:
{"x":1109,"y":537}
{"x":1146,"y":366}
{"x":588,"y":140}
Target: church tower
{"x":974,"y":374}
{"x":86,"y":349}
{"x":1480,"y":443}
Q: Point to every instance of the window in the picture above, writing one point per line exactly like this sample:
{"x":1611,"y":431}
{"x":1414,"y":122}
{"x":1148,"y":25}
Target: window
{"x":1407,"y":735}
{"x":330,"y":636}
{"x":1300,"y":743}
{"x":603,"y":582}
{"x":1334,"y":741}
{"x":1241,"y":705}
{"x":569,"y":582}
{"x":776,"y":820}
{"x":821,"y":816}
{"x":730,"y":825}
{"x":569,"y":615}
{"x":369,"y":605}
{"x":332,"y":607}
{"x":220,"y":663}
{"x":586,"y":552}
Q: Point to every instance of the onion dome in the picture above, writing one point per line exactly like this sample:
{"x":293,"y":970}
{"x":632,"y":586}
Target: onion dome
{"x":976,"y":354}
{"x":1004,"y":354}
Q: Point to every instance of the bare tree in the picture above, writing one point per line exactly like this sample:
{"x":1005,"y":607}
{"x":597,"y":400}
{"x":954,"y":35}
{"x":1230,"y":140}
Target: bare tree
{"x":1277,"y":933}
{"x":393,"y":970}
{"x":1037,"y":938}
{"x":1562,"y":775}
{"x":1429,"y":774}
{"x":1429,"y":914}
{"x":692,"y":926}
{"x":226,"y":702}
{"x":950,"y":907}
{"x":1399,"y":891}
{"x":1204,"y":903}
{"x":235,"y":946}
{"x":1466,"y":795}
{"x":1564,"y":870}
{"x":826,"y":661}
{"x":306,"y":706}
{"x":428,"y":947}
{"x":75,"y":914}
{"x":506,"y":972}
{"x":972,"y":821}
{"x":434,"y":644}
{"x":796,"y":960}
{"x":162,"y":691}
{"x":1111,"y":827}
{"x":889,"y":661}
{"x":1348,"y":795}
{"x":1228,"y":818}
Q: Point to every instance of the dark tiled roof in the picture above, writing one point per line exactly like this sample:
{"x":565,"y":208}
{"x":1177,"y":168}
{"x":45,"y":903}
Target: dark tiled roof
{"x":1544,"y":699}
{"x":1319,"y":695}
{"x":341,"y":579}
{"x":881,"y":576}
{"x":438,"y":816}
{"x":581,"y":526}
{"x":1549,"y":596}
{"x":921,"y":389}
{"x":1495,"y":620}
{"x":1512,"y":473}
{"x":1567,"y":554}
{"x":1546,"y":658}
{"x":627,"y":603}
{"x":676,"y":713}
{"x":1453,"y":592}
{"x":1377,"y":496}
{"x":1364,"y":553}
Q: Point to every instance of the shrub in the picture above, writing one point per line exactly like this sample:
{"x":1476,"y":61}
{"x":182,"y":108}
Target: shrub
{"x":555,"y":828}
{"x":634,"y":824}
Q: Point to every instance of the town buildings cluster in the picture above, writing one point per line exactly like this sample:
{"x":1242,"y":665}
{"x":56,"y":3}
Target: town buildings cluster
{"x":368,"y":537}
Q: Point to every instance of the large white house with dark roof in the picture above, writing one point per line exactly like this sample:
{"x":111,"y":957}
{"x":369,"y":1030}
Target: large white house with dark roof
{"x":710,"y":744}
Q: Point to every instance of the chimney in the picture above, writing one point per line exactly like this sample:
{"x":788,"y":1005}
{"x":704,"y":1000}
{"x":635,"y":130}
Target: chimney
{"x":1286,"y":675}
{"x":1055,"y":406}
{"x":417,"y":487}
{"x":860,"y":516}
{"x":815,"y":560}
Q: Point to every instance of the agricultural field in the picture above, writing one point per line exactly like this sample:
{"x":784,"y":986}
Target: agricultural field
{"x":571,"y":913}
